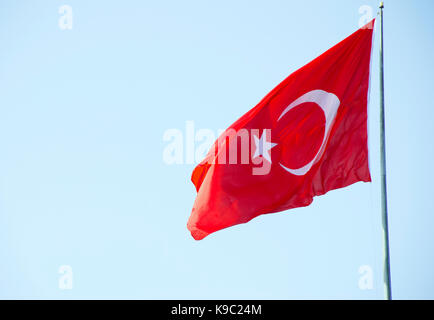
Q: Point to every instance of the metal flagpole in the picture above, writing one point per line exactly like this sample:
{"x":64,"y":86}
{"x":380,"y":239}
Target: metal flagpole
{"x":387,"y":281}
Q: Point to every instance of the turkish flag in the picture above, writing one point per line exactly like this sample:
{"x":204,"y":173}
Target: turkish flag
{"x":306,"y":137}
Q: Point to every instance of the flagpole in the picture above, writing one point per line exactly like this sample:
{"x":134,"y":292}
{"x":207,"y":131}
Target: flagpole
{"x":387,"y":280}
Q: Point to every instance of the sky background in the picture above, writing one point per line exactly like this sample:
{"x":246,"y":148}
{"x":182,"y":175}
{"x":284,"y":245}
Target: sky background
{"x":82,"y":177}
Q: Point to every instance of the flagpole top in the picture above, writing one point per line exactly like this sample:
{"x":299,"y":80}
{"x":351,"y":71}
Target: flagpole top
{"x":381,"y":5}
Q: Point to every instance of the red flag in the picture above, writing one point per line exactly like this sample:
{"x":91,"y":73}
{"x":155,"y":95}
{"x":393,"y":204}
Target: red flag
{"x":306,"y":137}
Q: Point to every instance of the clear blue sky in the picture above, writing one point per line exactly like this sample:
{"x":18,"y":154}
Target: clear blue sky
{"x":82,"y":178}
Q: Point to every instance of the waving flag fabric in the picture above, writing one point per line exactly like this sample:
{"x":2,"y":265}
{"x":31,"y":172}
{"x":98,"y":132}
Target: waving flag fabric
{"x":306,"y":137}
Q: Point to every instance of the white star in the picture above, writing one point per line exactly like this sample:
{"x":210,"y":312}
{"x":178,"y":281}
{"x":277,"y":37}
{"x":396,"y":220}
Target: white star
{"x":263,"y":146}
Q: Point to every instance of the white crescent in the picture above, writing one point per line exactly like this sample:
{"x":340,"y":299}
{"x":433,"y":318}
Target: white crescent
{"x":329,"y":104}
